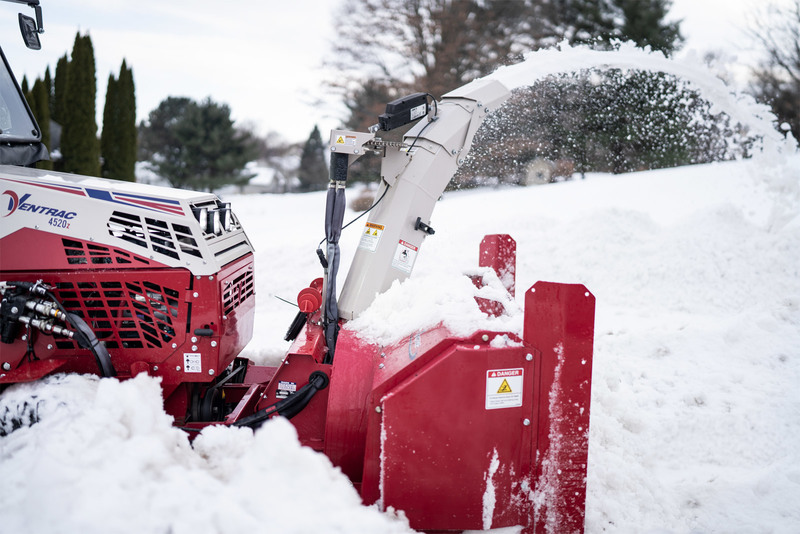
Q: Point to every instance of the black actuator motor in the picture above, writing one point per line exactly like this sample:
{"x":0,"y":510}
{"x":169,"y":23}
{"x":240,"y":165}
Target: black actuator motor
{"x":403,"y":110}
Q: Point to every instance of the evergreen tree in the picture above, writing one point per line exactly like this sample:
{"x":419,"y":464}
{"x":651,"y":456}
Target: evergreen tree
{"x":24,"y":86}
{"x":80,"y":149}
{"x":40,"y":106}
{"x":126,"y":94}
{"x":48,"y":84}
{"x":118,"y":140}
{"x":313,"y":171}
{"x":109,"y":138}
{"x":197,"y":146}
{"x":60,"y":90}
{"x":643,"y":23}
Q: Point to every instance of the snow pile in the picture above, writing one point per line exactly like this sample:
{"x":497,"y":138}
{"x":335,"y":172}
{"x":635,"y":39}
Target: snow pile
{"x":105,"y":458}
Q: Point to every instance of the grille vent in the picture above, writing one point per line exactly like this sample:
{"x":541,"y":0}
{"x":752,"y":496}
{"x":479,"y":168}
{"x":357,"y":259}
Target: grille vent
{"x":237,"y":291}
{"x":153,"y":234}
{"x":79,"y":253}
{"x":129,"y":315}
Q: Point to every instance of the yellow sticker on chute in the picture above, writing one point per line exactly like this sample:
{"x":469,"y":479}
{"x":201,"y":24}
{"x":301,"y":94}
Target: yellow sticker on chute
{"x":504,"y":387}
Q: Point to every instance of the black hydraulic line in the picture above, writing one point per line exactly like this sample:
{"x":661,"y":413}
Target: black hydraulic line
{"x":290,"y":406}
{"x":84,"y":335}
{"x":334,"y":216}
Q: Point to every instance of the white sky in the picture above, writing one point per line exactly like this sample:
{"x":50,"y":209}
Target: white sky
{"x":263,"y":59}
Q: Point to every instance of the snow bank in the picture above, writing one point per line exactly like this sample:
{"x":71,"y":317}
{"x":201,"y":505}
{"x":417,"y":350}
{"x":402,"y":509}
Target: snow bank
{"x":104,"y":457}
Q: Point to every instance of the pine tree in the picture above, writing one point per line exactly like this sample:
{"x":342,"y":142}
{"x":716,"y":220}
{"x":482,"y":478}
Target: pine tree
{"x":313,"y":171}
{"x":48,"y":84}
{"x":644,"y":24}
{"x":118,"y":140}
{"x":197,"y":146}
{"x":126,"y":95}
{"x":80,"y":149}
{"x":40,"y":106}
{"x":109,"y":139}
{"x":60,"y":90}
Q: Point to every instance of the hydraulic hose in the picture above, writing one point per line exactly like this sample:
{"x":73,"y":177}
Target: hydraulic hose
{"x":290,"y":406}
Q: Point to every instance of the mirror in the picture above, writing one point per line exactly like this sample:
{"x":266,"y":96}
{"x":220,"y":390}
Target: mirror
{"x":30,"y":33}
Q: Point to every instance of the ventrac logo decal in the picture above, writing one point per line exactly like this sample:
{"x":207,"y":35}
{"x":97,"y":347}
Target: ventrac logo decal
{"x":15,"y":203}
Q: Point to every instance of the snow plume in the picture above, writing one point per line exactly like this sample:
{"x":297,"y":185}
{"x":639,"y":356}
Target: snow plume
{"x":742,"y":108}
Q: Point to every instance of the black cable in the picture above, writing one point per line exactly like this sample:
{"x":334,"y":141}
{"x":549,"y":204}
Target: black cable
{"x":386,"y":190}
{"x":435,"y":116}
{"x":290,"y":406}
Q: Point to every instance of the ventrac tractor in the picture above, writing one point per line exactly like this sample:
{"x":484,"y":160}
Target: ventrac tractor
{"x":459,"y":432}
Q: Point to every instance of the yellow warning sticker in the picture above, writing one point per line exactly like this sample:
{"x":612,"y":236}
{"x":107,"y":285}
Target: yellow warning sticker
{"x":340,"y":140}
{"x":504,"y":388}
{"x":371,"y":236}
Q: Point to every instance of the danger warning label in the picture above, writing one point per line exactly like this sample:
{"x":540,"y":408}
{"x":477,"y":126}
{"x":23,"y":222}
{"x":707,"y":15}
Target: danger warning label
{"x":504,"y":388}
{"x":404,"y":256}
{"x":371,"y":236}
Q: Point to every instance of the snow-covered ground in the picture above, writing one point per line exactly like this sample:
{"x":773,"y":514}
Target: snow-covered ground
{"x":695,"y":406}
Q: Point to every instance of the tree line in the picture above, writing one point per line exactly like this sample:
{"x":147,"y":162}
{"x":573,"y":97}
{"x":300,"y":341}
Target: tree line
{"x":602,"y":120}
{"x":65,"y":108}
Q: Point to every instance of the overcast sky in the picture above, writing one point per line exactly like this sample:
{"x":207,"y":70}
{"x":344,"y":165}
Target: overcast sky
{"x":263,"y":59}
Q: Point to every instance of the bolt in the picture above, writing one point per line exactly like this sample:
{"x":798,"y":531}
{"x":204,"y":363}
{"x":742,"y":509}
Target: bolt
{"x":213,"y":343}
{"x":378,"y":409}
{"x":6,"y":366}
{"x":529,"y":357}
{"x":49,"y":347}
{"x":460,"y":161}
{"x":224,"y":317}
{"x":454,"y":152}
{"x":194,"y":340}
{"x":195,"y":294}
{"x":355,"y":151}
{"x":526,"y":422}
{"x":210,"y":277}
{"x":155,"y":368}
{"x":178,"y":368}
{"x":174,"y":345}
{"x":14,"y":309}
{"x":383,"y":354}
{"x":211,"y":372}
{"x":480,"y":104}
{"x":381,"y":366}
{"x":194,"y":347}
{"x":25,"y":337}
{"x":198,"y":277}
{"x":333,"y":149}
{"x":485,"y":337}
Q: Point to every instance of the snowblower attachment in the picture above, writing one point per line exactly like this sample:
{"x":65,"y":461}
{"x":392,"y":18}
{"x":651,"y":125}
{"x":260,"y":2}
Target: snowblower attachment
{"x":460,"y":432}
